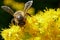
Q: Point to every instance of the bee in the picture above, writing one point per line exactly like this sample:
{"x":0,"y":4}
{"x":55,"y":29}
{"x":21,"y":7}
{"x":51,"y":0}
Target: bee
{"x":19,"y":17}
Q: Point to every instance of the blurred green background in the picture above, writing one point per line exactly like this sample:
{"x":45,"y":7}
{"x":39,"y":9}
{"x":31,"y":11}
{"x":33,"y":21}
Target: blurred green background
{"x":5,"y":18}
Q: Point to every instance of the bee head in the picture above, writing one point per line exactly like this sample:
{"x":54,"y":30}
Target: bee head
{"x":19,"y":15}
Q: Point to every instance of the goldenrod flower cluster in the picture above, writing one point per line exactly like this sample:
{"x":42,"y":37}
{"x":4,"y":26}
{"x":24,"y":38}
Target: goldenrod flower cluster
{"x":42,"y":26}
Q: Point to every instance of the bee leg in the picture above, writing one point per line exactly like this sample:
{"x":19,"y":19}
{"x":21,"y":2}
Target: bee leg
{"x":15,"y":23}
{"x":12,"y":21}
{"x":29,"y":14}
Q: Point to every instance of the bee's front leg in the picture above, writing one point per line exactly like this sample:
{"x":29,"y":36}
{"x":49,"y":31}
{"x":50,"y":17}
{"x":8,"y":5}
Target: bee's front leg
{"x":16,"y":21}
{"x":12,"y":21}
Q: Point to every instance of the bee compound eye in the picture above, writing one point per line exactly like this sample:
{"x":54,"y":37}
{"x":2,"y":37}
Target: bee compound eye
{"x":20,"y":18}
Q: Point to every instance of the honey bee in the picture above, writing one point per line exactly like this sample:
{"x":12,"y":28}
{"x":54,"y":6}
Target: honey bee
{"x":19,"y":16}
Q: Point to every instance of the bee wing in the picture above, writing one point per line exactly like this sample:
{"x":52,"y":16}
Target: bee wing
{"x":28,"y":5}
{"x":7,"y":9}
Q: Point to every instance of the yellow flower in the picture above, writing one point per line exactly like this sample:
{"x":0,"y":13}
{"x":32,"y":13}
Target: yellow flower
{"x":42,"y":26}
{"x":17,"y":6}
{"x":8,"y":2}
